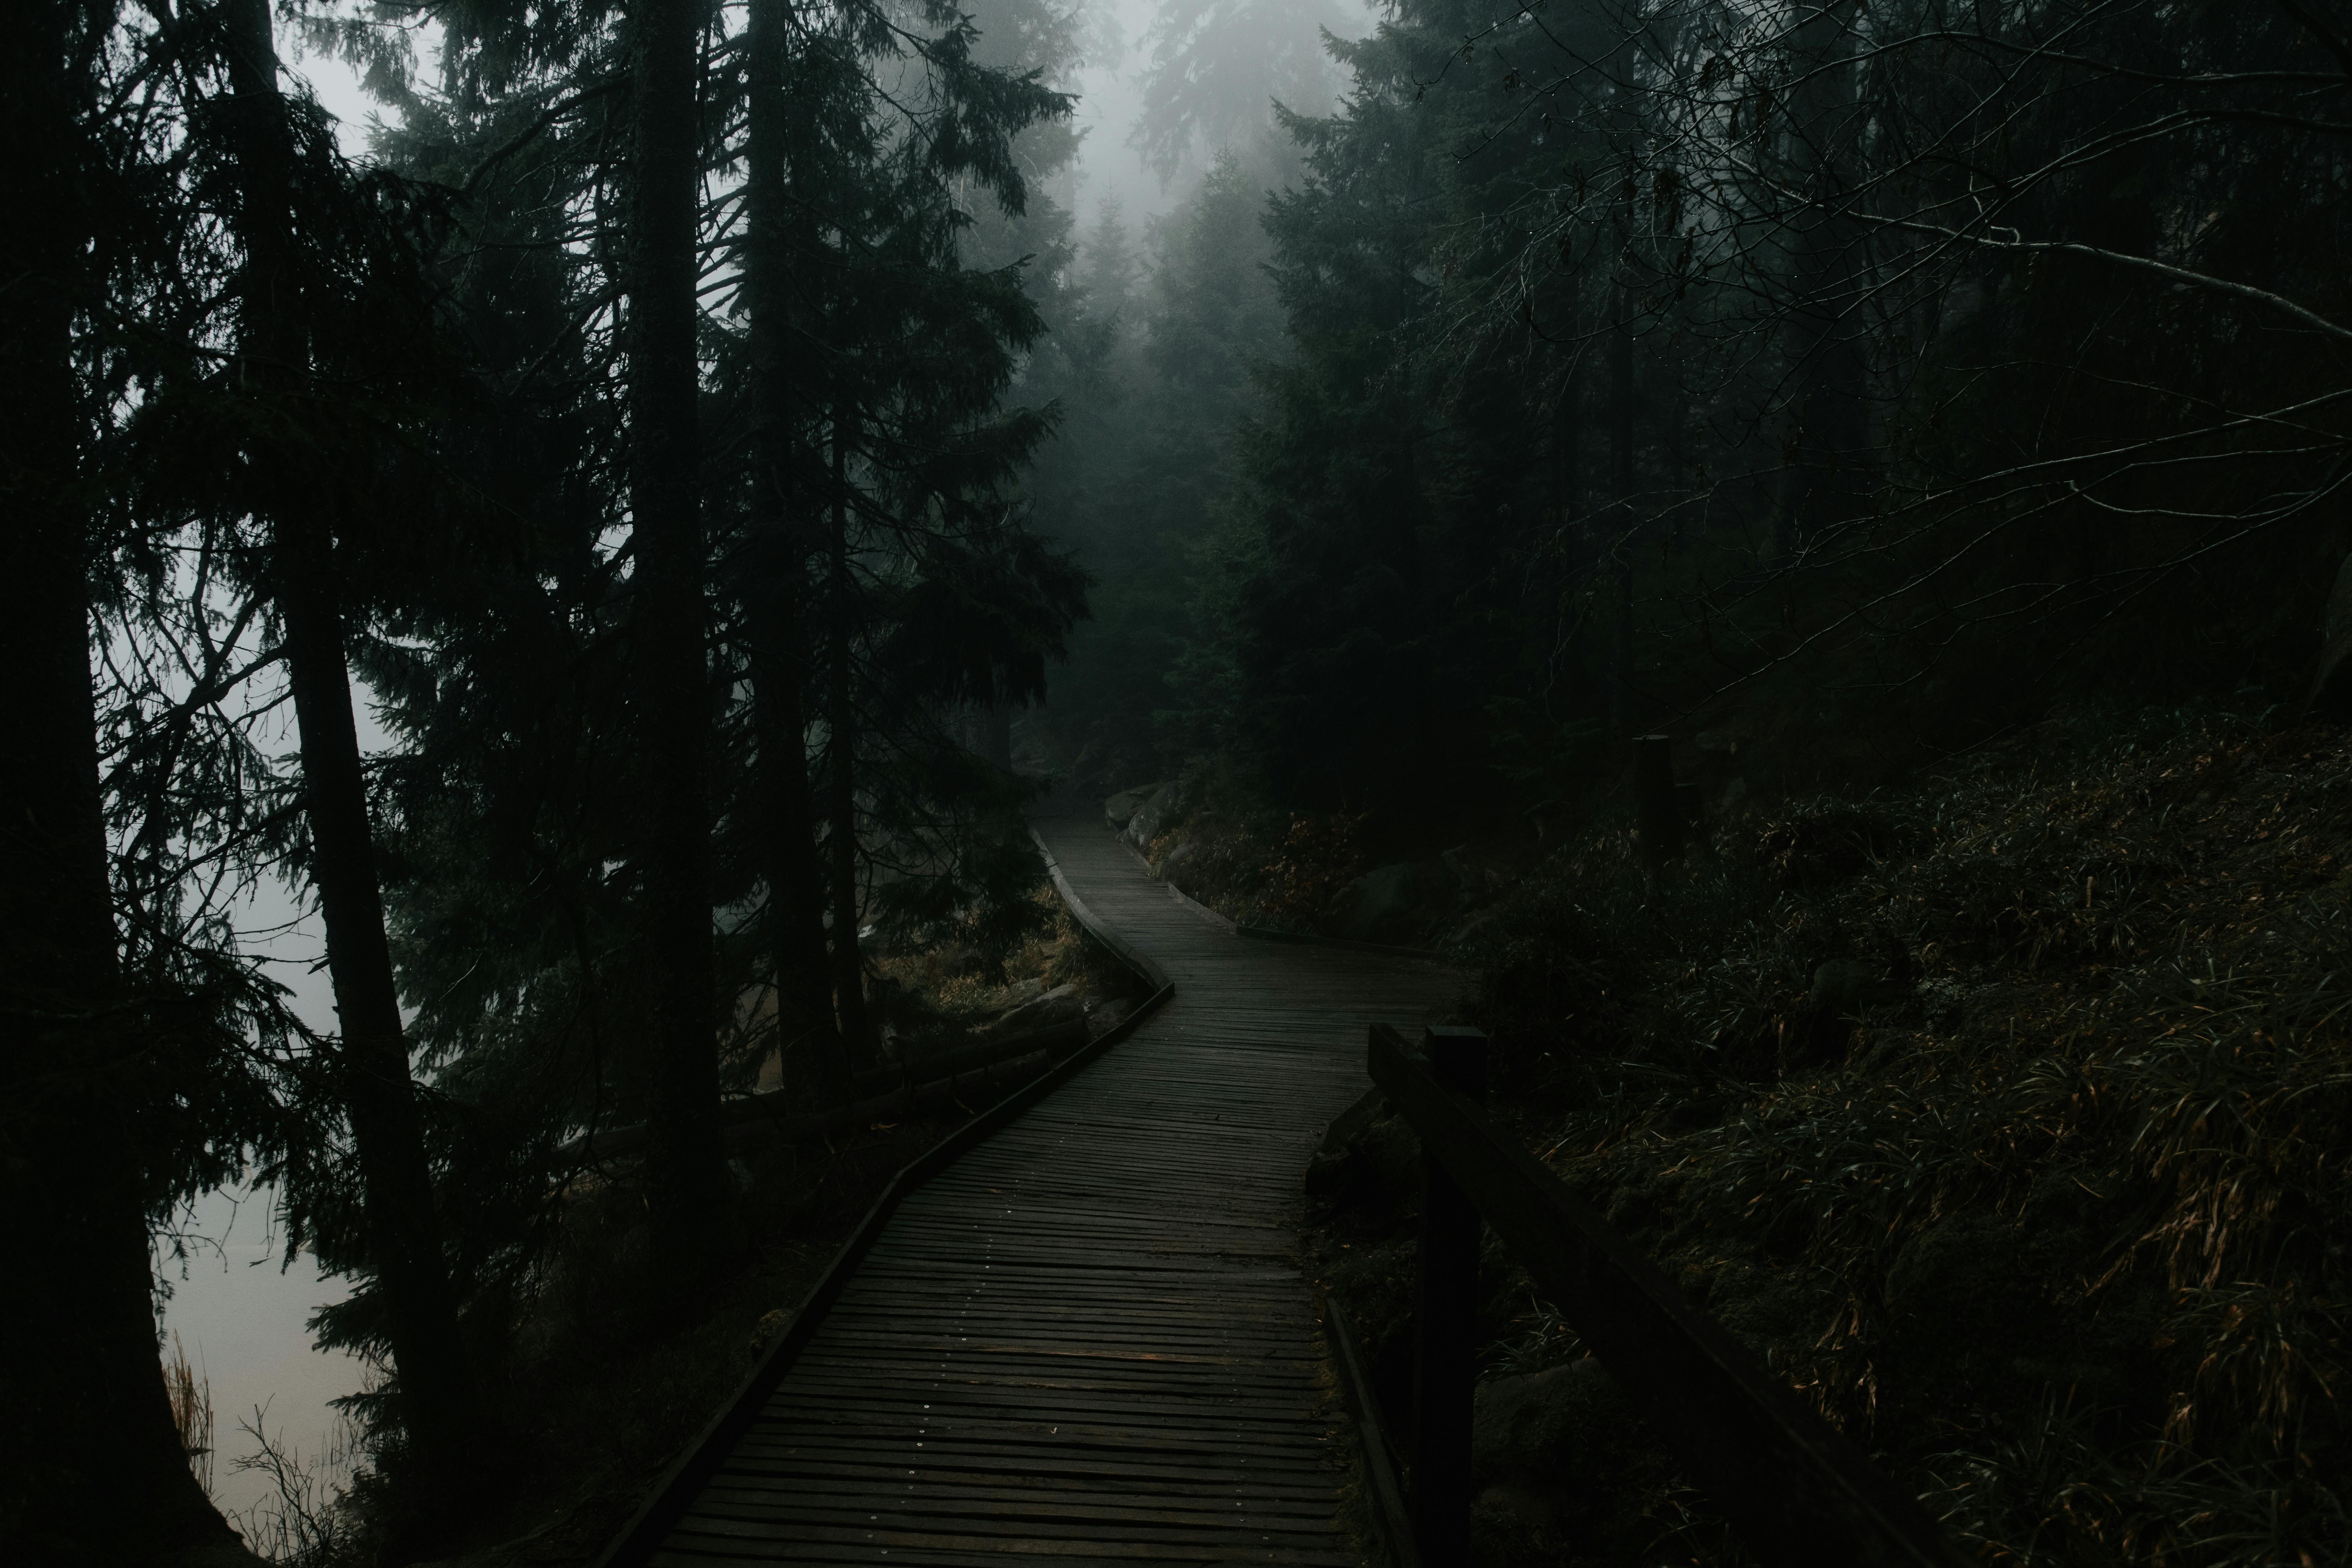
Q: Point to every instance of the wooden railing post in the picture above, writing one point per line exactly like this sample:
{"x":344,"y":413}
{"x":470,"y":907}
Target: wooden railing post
{"x":1798,"y":1494}
{"x":1445,"y":1370}
{"x":1655,"y":810}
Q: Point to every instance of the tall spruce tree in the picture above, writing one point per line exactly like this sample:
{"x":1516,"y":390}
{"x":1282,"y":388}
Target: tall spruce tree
{"x":528,"y":915}
{"x":685,"y":1181}
{"x":1832,"y":331}
{"x":440,"y":1406}
{"x":810,"y":1033}
{"x":876,"y":350}
{"x":91,"y":1468}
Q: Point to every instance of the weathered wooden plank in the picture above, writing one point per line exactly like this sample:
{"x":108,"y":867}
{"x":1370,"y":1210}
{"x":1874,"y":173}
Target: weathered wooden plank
{"x":913,"y":1503}
{"x":1127,"y":1401}
{"x":991,"y":1471}
{"x":1043,"y":1369}
{"x":1258,"y":1463}
{"x":1029,"y":1540}
{"x":1087,"y":1342}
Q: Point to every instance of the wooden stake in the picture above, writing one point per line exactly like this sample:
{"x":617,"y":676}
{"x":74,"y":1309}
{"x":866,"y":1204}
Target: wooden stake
{"x":1445,"y":1364}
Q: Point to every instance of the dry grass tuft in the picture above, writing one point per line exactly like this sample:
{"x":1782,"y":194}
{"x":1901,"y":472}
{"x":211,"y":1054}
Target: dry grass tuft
{"x":190,"y":1393}
{"x":2052,"y":1209}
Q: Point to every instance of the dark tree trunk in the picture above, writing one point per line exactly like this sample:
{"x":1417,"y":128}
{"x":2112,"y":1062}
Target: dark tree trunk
{"x":685,"y":1176}
{"x":1828,"y":426}
{"x":807,"y":1034}
{"x":1578,"y":547}
{"x":841,"y":722}
{"x":91,"y":1464}
{"x":1568,"y":442}
{"x":437,"y":1397}
{"x":996,"y":736}
{"x":1679,"y":478}
{"x":1620,"y":490}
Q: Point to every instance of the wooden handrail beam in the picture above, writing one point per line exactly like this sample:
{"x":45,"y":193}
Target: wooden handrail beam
{"x":1796,"y":1490}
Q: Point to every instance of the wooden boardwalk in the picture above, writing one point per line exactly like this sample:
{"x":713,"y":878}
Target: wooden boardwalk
{"x":1087,"y":1340}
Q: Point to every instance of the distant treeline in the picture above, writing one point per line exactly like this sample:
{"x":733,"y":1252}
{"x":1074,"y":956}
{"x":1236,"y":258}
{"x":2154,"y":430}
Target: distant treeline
{"x":695,"y":429}
{"x":1641,"y":362}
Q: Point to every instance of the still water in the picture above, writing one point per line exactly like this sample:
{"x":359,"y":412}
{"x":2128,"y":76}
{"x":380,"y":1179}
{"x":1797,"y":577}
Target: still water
{"x":237,"y":1309}
{"x":239,"y":1317}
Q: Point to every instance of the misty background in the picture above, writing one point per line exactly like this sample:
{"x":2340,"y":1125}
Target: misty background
{"x":239,"y":1307}
{"x":1790,"y":544}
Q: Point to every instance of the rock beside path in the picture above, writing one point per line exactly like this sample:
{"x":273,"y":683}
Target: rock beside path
{"x":1120,"y":809}
{"x":1153,"y":815}
{"x":1062,"y":1004}
{"x":1546,"y":1447}
{"x":1404,"y":903}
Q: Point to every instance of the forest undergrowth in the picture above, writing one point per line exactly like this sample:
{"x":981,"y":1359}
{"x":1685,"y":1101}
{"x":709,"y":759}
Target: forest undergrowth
{"x":597,"y":1380}
{"x":2003,"y":1113}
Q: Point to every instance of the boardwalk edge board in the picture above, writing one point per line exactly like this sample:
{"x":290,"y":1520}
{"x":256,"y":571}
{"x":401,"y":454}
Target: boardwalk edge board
{"x":1223,"y":922}
{"x":1136,"y":958}
{"x":1388,"y":1497}
{"x":674,"y":1495}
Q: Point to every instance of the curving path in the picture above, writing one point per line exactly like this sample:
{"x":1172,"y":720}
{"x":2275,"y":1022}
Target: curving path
{"x":1087,"y":1340}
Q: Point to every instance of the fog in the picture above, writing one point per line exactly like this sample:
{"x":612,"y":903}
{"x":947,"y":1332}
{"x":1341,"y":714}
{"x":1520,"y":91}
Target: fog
{"x":1787,"y":547}
{"x":237,"y":1304}
{"x":1110,"y":84}
{"x":238,"y":1310}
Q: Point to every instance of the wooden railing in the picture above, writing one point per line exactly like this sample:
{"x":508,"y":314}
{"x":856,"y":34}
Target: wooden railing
{"x":1793,"y":1488}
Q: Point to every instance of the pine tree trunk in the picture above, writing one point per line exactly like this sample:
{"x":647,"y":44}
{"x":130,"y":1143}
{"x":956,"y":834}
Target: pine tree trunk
{"x":1580,"y":551}
{"x":686,"y":1179}
{"x":437,"y":1397}
{"x":1828,"y":423}
{"x":848,"y":966}
{"x":1621,"y":487}
{"x":91,"y":1463}
{"x":996,"y":736}
{"x":1568,"y":436}
{"x":806,"y":1032}
{"x":438,"y":1402}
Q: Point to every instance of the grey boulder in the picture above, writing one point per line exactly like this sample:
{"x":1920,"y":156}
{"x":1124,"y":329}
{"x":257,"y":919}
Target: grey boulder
{"x":1120,"y":809}
{"x":1152,"y":816}
{"x":1376,"y":905}
{"x":1538,"y":1440}
{"x":1062,"y":1004}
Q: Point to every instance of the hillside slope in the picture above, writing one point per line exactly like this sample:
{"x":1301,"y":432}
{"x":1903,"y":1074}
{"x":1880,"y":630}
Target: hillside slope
{"x":2006,"y":1115}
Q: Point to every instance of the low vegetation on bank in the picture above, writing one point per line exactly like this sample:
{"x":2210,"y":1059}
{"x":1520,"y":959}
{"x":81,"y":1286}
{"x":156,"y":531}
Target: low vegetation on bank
{"x":2001,"y":1110}
{"x":596,"y":1379}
